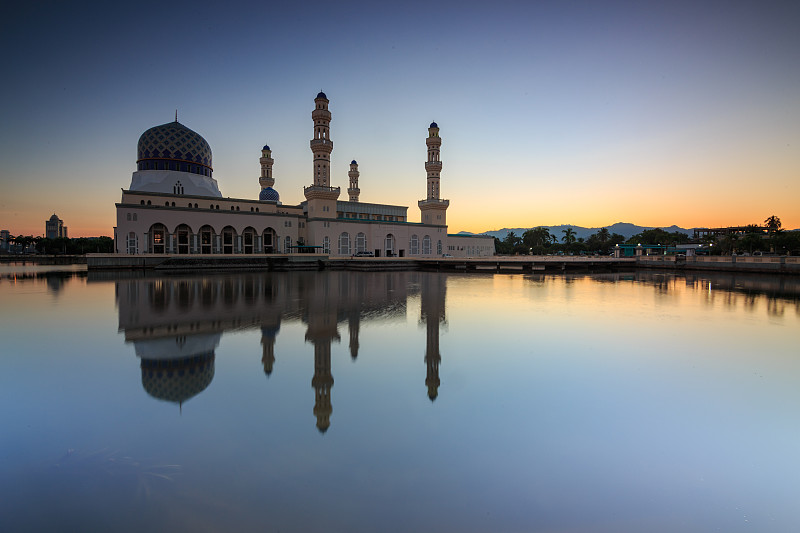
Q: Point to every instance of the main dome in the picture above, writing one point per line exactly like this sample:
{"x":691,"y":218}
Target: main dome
{"x":173,"y":146}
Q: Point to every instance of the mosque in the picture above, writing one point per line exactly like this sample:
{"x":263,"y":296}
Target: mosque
{"x":174,"y":206}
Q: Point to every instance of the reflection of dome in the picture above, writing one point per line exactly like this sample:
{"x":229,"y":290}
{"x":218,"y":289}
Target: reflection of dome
{"x":173,"y":146}
{"x":322,"y":95}
{"x":177,"y":380}
{"x":269,"y":195}
{"x":434,"y":125}
{"x":270,"y":331}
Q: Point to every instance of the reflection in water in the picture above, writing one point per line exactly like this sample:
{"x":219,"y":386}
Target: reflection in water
{"x":432,"y":312}
{"x":175,"y":324}
{"x":648,"y":401}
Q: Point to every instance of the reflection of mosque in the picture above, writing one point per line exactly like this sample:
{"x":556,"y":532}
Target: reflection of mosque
{"x":176,"y":324}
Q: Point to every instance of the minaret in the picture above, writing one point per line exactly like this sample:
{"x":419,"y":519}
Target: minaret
{"x":353,"y":191}
{"x":321,"y":196}
{"x":265,"y":179}
{"x":433,"y":209}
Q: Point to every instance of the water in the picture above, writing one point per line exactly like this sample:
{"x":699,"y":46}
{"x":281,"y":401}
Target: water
{"x":406,"y":401}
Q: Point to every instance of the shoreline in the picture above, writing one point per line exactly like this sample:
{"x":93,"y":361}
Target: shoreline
{"x":495,"y":264}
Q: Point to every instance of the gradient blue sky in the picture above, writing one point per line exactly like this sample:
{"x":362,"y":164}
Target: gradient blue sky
{"x":568,"y":112}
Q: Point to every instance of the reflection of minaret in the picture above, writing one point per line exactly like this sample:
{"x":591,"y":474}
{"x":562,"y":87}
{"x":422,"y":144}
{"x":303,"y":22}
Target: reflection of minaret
{"x":321,"y":331}
{"x":432,"y":311}
{"x":353,"y":323}
{"x":268,"y":334}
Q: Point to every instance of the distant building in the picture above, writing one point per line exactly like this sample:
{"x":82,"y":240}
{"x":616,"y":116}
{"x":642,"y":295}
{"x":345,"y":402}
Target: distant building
{"x":174,"y":206}
{"x":55,"y":228}
{"x":5,"y":237}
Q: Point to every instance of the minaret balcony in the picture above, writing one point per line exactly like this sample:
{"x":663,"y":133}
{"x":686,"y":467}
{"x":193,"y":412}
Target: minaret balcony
{"x":433,"y":165}
{"x":321,"y":145}
{"x":321,"y":192}
{"x":434,"y":203}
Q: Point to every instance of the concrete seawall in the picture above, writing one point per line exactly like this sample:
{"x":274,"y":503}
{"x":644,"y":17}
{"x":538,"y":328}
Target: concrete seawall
{"x":763,"y":265}
{"x":521,"y":264}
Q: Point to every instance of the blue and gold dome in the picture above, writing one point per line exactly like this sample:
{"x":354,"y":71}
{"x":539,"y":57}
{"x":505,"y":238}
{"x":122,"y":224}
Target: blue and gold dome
{"x":177,"y":380}
{"x":173,"y":146}
{"x":269,"y":194}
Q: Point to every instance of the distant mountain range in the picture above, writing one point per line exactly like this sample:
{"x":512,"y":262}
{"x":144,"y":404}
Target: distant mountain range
{"x":623,"y":228}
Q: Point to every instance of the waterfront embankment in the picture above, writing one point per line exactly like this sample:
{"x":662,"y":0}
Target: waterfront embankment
{"x":505,"y":264}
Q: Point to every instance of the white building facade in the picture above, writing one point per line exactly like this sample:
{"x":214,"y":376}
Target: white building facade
{"x":174,"y":206}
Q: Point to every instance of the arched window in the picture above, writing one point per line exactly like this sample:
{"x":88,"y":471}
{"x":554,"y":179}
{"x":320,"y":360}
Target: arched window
{"x":182,"y":236}
{"x":389,"y":245}
{"x":426,"y":245}
{"x":269,"y":241}
{"x":228,"y":239}
{"x":361,"y":243}
{"x":131,"y":244}
{"x":413,"y":245}
{"x":249,"y":238}
{"x":207,"y":240}
{"x":344,"y":243}
{"x":326,"y":245}
{"x":158,"y":239}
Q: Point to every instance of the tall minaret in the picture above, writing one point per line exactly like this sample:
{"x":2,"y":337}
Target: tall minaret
{"x":353,"y":191}
{"x":321,"y":196}
{"x":265,"y":179}
{"x":433,"y":210}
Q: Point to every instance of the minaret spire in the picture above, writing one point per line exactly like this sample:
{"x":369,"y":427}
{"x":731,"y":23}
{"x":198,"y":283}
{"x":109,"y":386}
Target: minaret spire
{"x":321,"y":147}
{"x":353,"y":191}
{"x":433,"y":209}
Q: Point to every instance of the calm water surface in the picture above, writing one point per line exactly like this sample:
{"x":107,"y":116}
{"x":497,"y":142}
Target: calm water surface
{"x":337,"y":401}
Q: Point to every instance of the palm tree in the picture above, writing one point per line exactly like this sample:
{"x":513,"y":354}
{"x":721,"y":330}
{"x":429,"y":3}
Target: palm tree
{"x":569,"y":236}
{"x":603,"y":234}
{"x":773,"y":223}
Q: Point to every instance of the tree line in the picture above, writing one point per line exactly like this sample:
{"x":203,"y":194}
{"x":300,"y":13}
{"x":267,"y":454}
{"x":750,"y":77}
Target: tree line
{"x":60,"y":245}
{"x":770,"y":238}
{"x":539,"y":241}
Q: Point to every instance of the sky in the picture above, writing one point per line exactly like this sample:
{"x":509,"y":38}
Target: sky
{"x":563,"y":112}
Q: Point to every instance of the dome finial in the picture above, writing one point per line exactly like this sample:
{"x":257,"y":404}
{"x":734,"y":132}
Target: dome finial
{"x":176,"y":115}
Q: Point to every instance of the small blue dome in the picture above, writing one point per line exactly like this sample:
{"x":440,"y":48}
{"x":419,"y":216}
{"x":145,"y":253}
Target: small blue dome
{"x":434,"y":125}
{"x":322,"y":95}
{"x":269,"y":195}
{"x":266,"y":147}
{"x":353,"y":162}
